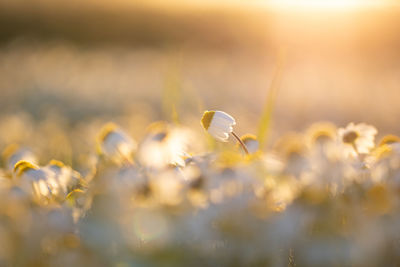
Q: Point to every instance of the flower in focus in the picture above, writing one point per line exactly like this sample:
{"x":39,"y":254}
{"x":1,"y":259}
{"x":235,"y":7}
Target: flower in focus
{"x":218,"y":124}
{"x":357,"y":138}
{"x":115,"y":144}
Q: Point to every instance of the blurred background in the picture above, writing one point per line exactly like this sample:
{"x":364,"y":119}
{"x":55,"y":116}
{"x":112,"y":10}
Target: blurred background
{"x":170,"y":60}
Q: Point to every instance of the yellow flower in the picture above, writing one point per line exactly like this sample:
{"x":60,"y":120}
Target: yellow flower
{"x":357,"y":138}
{"x":218,"y":123}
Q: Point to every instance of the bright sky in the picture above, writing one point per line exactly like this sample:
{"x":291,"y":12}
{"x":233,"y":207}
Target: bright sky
{"x":342,"y":4}
{"x":283,"y":4}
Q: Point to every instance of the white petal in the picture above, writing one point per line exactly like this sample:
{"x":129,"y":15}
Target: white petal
{"x":220,"y":123}
{"x":224,"y":116}
{"x":218,"y":134}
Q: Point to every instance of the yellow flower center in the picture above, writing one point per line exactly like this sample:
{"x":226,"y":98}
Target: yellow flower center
{"x":206,"y":119}
{"x":350,"y":137}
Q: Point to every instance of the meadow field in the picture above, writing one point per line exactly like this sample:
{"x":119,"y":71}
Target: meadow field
{"x":199,"y":133}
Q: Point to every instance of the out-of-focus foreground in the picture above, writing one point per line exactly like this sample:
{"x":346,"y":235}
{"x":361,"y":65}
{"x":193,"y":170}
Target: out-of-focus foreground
{"x":76,"y":190}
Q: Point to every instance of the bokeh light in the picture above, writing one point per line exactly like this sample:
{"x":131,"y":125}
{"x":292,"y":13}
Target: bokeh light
{"x":106,"y":160}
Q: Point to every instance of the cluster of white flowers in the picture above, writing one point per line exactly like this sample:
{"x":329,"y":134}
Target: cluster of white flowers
{"x":327,"y":196}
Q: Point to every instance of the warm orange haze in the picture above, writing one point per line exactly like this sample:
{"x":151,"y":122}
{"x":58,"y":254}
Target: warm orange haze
{"x":339,"y":61}
{"x":199,"y":133}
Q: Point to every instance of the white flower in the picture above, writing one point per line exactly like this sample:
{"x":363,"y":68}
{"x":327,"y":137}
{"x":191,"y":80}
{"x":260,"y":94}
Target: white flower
{"x":14,"y":153}
{"x":251,"y":143}
{"x":61,"y":178}
{"x":164,"y":145}
{"x":218,"y":124}
{"x":357,"y":138}
{"x":115,"y":144}
{"x":32,"y":179}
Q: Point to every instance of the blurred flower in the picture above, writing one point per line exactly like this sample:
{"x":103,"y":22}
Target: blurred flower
{"x":290,"y":144}
{"x":163,"y":145}
{"x":167,"y":187}
{"x":218,"y":124}
{"x":251,"y":143}
{"x":292,"y":149}
{"x":185,"y":205}
{"x":323,"y":150}
{"x":389,"y":139}
{"x":33,"y":180}
{"x":272,"y":163}
{"x":385,"y":159}
{"x":79,"y":201}
{"x":62,"y":179}
{"x":14,"y":153}
{"x":115,"y":144}
{"x":320,"y":133}
{"x":5,"y":182}
{"x":357,"y":139}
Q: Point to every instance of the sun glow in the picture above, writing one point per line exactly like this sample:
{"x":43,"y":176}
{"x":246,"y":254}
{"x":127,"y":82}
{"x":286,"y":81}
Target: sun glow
{"x":337,"y":4}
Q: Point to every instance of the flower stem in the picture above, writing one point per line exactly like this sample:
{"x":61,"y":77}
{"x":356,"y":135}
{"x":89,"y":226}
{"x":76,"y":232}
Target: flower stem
{"x":241,"y":143}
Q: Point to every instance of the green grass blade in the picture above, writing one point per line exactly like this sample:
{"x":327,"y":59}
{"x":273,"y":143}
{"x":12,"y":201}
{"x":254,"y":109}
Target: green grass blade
{"x":172,"y":92}
{"x":266,"y":116}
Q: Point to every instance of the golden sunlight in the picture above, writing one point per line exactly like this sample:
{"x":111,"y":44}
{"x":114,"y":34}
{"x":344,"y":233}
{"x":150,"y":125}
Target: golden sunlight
{"x":337,"y":4}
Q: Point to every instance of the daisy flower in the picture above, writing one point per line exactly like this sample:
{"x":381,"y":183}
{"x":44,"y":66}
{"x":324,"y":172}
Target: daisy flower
{"x":389,"y":140}
{"x":115,"y":144}
{"x":164,"y":145}
{"x":357,"y":138}
{"x":61,"y":178}
{"x":32,"y":179}
{"x":251,"y":143}
{"x":220,"y":124}
{"x":320,"y":133}
{"x":14,"y":153}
